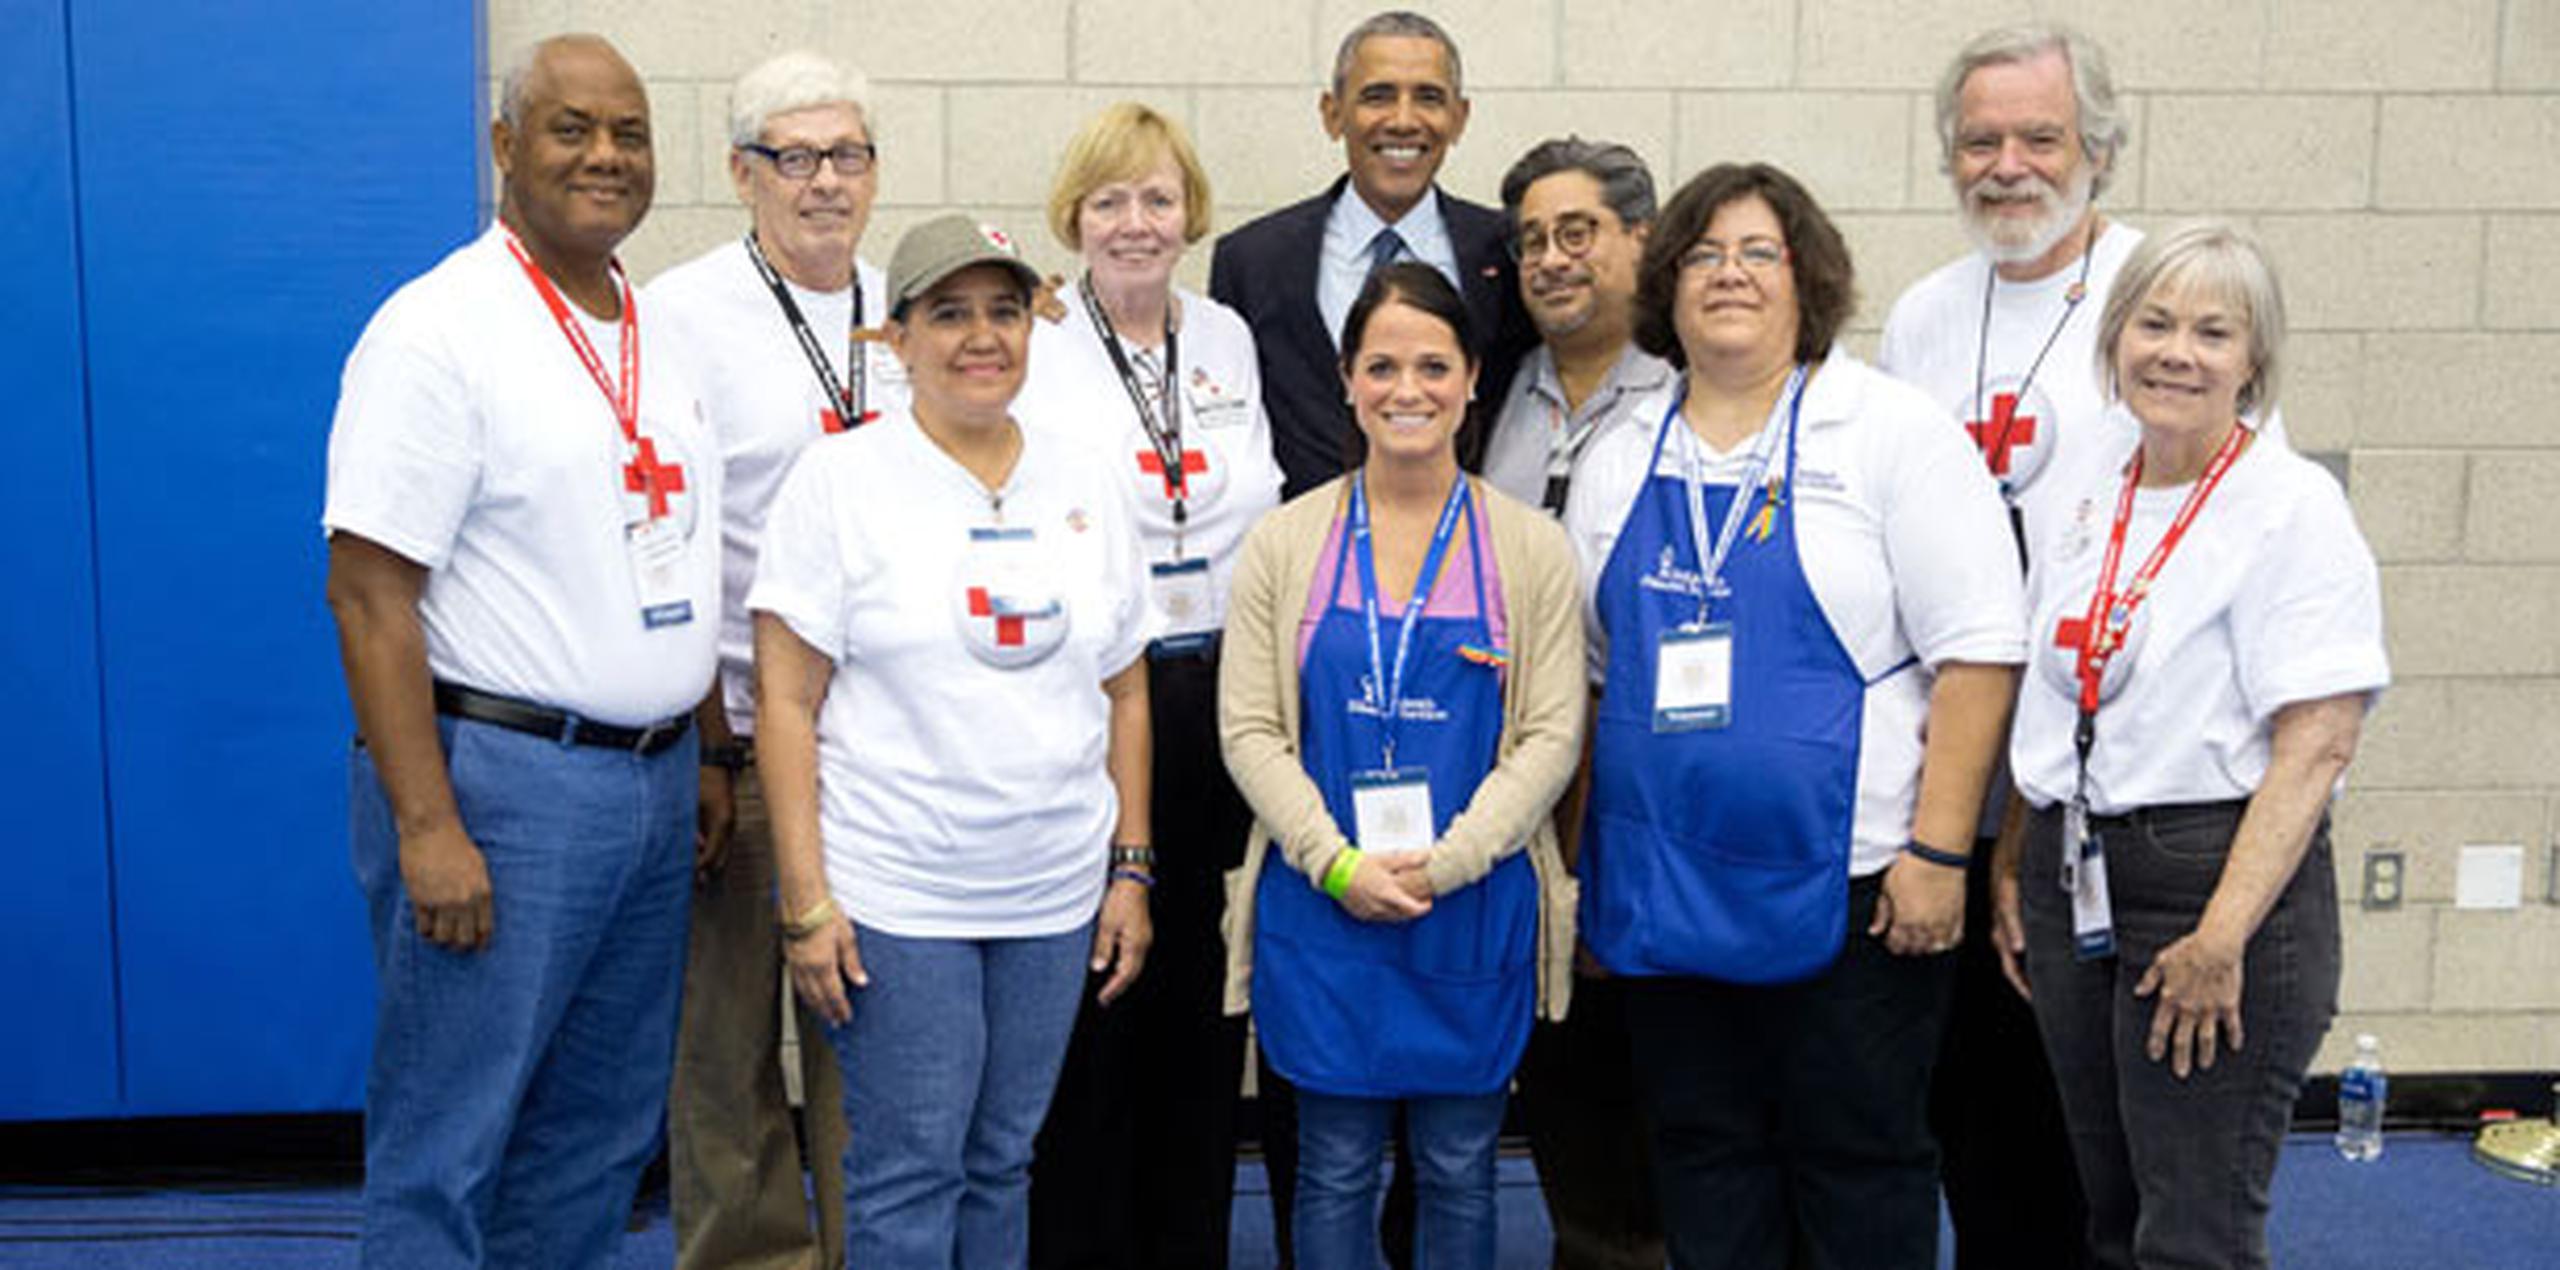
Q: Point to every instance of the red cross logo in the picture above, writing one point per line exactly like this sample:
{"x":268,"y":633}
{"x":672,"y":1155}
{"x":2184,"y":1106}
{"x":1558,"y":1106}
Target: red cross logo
{"x":2006,"y":431}
{"x":1008,"y":627}
{"x":645,"y":475}
{"x":1194,"y":463}
{"x":2071,"y":633}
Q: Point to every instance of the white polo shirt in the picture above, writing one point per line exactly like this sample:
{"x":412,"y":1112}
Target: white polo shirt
{"x":957,"y":798}
{"x":765,"y":404}
{"x":1074,"y":392}
{"x":2270,"y":599}
{"x":1535,"y":420}
{"x":1902,"y":539}
{"x":470,"y":439}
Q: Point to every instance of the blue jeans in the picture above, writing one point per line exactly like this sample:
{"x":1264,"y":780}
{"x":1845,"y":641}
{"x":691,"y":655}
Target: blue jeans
{"x":1341,"y":1143}
{"x":515,"y":1092}
{"x":948,"y":1063}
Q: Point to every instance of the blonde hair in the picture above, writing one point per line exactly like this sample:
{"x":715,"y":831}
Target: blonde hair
{"x":1124,"y":143}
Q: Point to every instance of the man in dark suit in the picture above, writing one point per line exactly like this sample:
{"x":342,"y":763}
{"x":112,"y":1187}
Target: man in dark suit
{"x":1396,"y":106}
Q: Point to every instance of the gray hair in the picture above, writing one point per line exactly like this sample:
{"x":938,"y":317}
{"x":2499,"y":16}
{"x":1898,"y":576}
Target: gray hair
{"x":1626,"y":184}
{"x":2093,"y":88}
{"x":518,"y":70}
{"x":2220,"y":259}
{"x":1396,"y":22}
{"x":791,"y":81}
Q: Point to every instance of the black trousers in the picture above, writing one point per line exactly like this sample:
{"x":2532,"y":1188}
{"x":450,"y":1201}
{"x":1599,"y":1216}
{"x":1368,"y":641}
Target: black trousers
{"x":1587,"y":1132}
{"x":2013,"y":1192}
{"x":1135,"y":1167}
{"x":1790,"y":1123}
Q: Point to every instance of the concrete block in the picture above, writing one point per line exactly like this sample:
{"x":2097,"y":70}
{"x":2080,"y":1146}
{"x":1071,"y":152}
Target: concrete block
{"x":1850,"y":149}
{"x":1017,"y":40}
{"x":1191,"y":42}
{"x":1005,"y":142}
{"x":2471,"y":619}
{"x":1506,"y":124}
{"x":2446,"y":735}
{"x":2381,"y":44}
{"x":2461,"y":391}
{"x":1894,"y":250}
{"x":2529,"y":49}
{"x":512,"y":24}
{"x":2428,"y":827}
{"x":1678,"y":44}
{"x":907,"y":123}
{"x":672,"y":235}
{"x":2469,"y":152}
{"x":1502,"y":43}
{"x":2323,"y":401}
{"x":2390,"y":959}
{"x":2497,"y":959}
{"x":675,"y":134}
{"x":2522,"y":276}
{"x":2175,"y":44}
{"x":2363,"y":272}
{"x":1265,"y":147}
{"x":2222,"y":153}
{"x":2417,"y":1043}
{"x":2512,"y":513}
{"x":700,"y":41}
{"x":2409,"y":504}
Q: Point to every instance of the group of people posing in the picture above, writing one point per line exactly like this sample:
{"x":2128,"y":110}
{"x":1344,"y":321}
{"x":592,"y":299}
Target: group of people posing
{"x":1493,"y":650}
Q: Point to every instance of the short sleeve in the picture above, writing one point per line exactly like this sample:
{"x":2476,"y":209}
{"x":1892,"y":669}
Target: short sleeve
{"x":1956,"y":585}
{"x":2307,"y":620}
{"x":1605,"y":486}
{"x":800,"y":564}
{"x":405,"y":449}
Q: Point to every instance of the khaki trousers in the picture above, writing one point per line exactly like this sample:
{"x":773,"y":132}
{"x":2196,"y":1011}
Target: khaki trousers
{"x":735,"y":1167}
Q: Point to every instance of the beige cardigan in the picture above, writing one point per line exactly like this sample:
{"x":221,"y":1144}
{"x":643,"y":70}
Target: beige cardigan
{"x":1542,"y":718}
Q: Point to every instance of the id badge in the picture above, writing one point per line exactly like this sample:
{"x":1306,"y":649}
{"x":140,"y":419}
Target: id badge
{"x":1693,"y":679}
{"x":657,"y":571}
{"x":2084,"y":874}
{"x":1182,"y":593}
{"x":1391,"y":810}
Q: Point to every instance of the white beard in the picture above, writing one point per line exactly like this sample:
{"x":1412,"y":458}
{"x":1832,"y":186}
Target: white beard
{"x":2009,"y":240}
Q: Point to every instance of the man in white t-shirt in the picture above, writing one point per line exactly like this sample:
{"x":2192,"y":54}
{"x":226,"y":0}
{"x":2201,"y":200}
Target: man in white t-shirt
{"x":2005,"y":338}
{"x":1578,"y":213}
{"x":779,"y":326}
{"x":525,"y":576}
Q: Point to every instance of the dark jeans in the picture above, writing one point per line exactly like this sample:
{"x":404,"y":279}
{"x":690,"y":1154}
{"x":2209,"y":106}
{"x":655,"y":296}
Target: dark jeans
{"x":1586,"y":1126}
{"x":2013,"y":1194}
{"x":2177,"y":1171}
{"x":1790,"y":1123}
{"x":1135,"y":1168}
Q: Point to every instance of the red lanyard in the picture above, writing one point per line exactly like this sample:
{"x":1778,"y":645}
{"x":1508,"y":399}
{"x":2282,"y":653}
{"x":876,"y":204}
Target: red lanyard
{"x":625,"y":400}
{"x":2111,"y":614}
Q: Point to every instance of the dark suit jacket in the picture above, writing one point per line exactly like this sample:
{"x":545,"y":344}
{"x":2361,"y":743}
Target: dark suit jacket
{"x":1266,"y":270}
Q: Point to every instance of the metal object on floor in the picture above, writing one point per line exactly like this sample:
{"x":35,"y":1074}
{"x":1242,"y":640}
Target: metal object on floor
{"x":2526,"y":1150}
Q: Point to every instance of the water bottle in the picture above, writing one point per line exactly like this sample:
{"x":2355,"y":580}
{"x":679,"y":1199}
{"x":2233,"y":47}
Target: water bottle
{"x":2362,"y":1089}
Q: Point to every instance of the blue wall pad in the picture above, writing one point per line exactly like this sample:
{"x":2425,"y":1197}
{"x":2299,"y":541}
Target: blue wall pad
{"x":57,"y":970}
{"x":255,"y":177}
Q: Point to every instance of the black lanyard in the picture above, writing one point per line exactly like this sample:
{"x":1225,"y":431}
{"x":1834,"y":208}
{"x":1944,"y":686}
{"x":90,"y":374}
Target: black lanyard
{"x":1165,"y":433}
{"x":850,"y":396}
{"x":2071,"y":298}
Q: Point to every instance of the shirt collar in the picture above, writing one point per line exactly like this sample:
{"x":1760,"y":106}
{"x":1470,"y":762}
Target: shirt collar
{"x":1424,"y":230}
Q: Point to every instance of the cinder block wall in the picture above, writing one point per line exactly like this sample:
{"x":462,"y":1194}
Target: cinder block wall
{"x":2402,"y":158}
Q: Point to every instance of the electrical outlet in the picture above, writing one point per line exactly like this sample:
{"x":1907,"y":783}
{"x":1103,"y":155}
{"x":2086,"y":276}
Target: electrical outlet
{"x":2385,"y":870}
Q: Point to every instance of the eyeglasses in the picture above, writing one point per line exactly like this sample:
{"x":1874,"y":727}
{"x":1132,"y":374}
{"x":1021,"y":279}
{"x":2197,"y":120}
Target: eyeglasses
{"x":1573,"y":235}
{"x":1758,"y":255}
{"x":799,"y":163}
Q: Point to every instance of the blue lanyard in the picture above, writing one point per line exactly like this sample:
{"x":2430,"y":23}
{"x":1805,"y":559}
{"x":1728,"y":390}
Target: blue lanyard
{"x":1386,"y":686}
{"x":1711,"y":562}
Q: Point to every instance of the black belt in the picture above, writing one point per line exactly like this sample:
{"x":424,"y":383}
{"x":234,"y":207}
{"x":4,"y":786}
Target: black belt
{"x":2171,"y":815}
{"x":1197,"y":647}
{"x":558,"y":725}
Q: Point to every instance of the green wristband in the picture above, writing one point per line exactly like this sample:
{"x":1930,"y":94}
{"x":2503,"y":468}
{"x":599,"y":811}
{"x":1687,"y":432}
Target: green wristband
{"x":1337,"y":879}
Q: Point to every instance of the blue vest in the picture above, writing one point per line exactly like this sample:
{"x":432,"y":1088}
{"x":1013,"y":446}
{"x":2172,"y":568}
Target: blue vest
{"x":1436,"y":1006}
{"x":1721,"y":852}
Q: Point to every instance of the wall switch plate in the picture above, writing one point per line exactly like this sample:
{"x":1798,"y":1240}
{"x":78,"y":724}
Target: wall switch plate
{"x":2385,"y":871}
{"x":2490,"y":876}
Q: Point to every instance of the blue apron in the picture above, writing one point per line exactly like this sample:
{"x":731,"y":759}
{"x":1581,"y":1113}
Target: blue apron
{"x":1436,"y":1006}
{"x":1720,"y":852}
